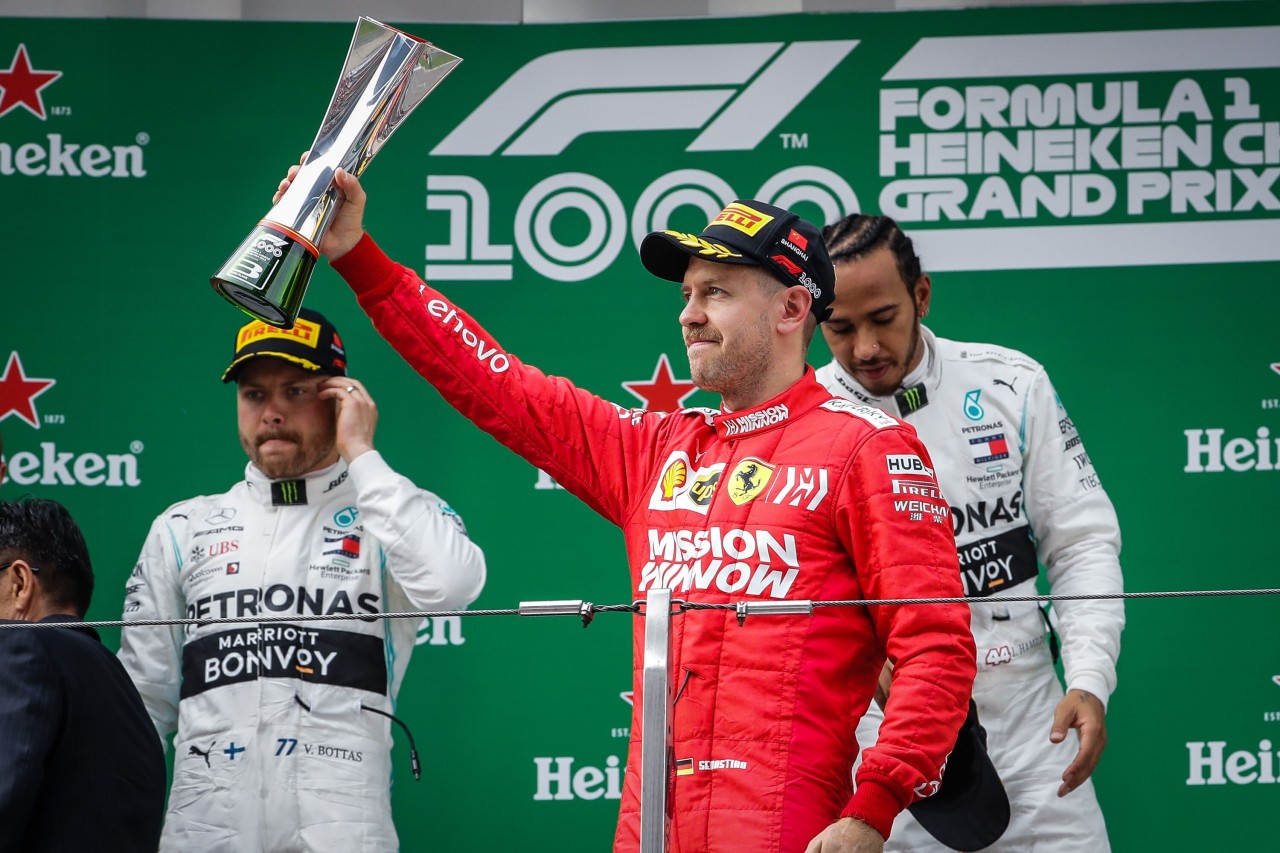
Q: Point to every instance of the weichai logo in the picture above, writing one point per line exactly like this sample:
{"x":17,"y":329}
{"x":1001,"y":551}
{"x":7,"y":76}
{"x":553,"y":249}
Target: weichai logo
{"x":24,"y":84}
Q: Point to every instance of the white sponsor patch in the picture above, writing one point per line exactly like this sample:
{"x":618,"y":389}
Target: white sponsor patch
{"x":871,"y":415}
{"x":907,"y":463}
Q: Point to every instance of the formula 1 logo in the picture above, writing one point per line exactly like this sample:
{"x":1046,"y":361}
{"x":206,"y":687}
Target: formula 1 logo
{"x":557,"y":97}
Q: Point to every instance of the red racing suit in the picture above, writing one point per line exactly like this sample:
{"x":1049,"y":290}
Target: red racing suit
{"x":804,"y":497}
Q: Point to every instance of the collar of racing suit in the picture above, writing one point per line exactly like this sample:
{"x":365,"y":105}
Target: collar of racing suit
{"x":926,"y":373}
{"x":268,"y":492}
{"x":805,"y":395}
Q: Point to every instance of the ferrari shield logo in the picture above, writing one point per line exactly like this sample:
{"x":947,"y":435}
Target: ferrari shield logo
{"x":748,"y":480}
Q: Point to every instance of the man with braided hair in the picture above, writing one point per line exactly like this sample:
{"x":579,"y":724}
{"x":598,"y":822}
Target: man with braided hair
{"x":1022,"y":492}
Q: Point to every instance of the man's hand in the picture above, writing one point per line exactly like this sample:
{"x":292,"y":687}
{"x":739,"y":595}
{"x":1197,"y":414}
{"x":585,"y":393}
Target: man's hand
{"x":357,"y":416}
{"x":847,"y":835}
{"x":1083,"y":711}
{"x":347,"y":226}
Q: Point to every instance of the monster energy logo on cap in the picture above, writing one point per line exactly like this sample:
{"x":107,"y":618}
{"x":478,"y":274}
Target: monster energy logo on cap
{"x":288,"y":492}
{"x":911,"y":399}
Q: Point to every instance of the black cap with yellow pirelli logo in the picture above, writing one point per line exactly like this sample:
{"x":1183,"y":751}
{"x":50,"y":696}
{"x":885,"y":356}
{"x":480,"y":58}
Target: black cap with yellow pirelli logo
{"x":750,"y":233}
{"x":312,"y":344}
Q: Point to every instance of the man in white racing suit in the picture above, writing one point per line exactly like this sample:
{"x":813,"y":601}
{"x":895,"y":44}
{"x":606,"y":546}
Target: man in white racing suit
{"x":1022,"y":492}
{"x":283,"y":728}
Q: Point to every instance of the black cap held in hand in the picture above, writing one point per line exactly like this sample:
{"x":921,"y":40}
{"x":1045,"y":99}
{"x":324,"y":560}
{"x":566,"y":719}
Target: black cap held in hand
{"x":750,"y":233}
{"x":970,"y":810}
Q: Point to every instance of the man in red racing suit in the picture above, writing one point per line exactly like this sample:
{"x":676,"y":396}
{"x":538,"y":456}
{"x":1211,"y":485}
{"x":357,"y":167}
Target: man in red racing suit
{"x":797,"y":496}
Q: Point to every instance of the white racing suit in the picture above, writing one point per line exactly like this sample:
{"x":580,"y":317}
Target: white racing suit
{"x":1023,"y":492}
{"x":276,"y":748}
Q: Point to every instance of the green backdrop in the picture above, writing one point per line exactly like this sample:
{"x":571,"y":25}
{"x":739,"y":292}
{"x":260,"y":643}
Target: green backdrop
{"x":1096,"y":186}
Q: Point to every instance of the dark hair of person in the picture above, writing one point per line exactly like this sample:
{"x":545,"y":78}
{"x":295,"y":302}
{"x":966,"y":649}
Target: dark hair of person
{"x":858,"y":235}
{"x":45,"y":535}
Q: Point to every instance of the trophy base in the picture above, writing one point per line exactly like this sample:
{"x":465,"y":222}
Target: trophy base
{"x":267,"y":276}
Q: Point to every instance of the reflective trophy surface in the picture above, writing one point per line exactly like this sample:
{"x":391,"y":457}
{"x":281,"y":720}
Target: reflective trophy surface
{"x":386,"y":75}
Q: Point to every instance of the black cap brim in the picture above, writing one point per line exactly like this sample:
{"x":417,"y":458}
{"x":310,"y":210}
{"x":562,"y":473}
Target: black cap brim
{"x":666,"y":254}
{"x":233,"y":369}
{"x":312,"y":344}
{"x":970,"y":811}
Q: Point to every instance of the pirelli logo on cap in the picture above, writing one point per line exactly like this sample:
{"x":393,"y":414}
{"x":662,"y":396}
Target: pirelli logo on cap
{"x":745,"y":219}
{"x":303,"y":331}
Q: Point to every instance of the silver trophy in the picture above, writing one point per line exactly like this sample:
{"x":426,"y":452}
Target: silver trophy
{"x":386,"y":75}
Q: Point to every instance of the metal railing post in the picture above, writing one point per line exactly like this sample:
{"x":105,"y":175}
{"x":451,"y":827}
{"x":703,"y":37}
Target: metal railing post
{"x":655,"y":725}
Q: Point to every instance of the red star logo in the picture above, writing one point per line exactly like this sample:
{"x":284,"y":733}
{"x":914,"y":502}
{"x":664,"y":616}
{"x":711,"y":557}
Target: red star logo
{"x":662,"y":393}
{"x":19,"y":391}
{"x":21,"y":85}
